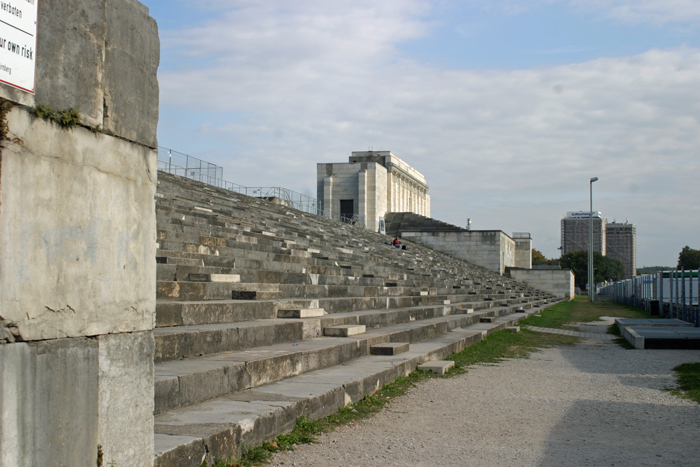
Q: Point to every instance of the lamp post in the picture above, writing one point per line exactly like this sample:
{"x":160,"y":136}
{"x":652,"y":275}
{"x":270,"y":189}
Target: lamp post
{"x":591,"y":286}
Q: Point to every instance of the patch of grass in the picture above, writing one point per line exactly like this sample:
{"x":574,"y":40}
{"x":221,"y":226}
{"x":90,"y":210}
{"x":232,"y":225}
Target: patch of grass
{"x":505,"y":344}
{"x":581,"y":310}
{"x":688,"y":378}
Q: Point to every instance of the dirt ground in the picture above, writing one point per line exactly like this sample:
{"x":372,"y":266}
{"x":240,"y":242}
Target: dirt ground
{"x":591,"y":404}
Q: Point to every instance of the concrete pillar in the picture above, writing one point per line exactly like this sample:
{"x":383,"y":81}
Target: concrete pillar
{"x":403,"y":195}
{"x":362,"y":200}
{"x":328,"y":196}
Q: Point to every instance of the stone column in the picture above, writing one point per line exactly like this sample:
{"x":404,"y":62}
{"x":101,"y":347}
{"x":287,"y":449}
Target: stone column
{"x":403,"y":195}
{"x":362,"y":200}
{"x":328,"y":197}
{"x":77,"y":257}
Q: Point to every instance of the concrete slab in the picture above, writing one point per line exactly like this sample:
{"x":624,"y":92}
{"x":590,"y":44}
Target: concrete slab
{"x":389,"y":348}
{"x":301,"y":313}
{"x":513,"y":329}
{"x":344,"y":330}
{"x":439,"y":367}
{"x":652,"y":322}
{"x":662,"y":337}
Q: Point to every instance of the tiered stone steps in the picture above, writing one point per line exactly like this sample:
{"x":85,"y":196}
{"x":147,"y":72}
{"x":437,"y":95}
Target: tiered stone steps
{"x":256,"y":301}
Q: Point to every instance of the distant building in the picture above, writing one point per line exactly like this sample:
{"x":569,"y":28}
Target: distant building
{"x":622,"y":244}
{"x":575,"y":232}
{"x":371,"y":184}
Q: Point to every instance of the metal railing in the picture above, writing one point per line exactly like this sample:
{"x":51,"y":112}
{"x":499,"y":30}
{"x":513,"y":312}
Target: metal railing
{"x":672,"y":293}
{"x":177,"y":163}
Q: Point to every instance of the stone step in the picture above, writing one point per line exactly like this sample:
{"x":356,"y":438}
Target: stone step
{"x":186,"y":313}
{"x":301,"y":313}
{"x":344,"y":330}
{"x":439,"y":367}
{"x":220,"y":427}
{"x":194,"y":341}
{"x":214,"y":277}
{"x":389,"y":348}
{"x":190,"y":381}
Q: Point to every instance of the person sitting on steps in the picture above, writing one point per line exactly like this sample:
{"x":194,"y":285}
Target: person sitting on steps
{"x":396,"y":242}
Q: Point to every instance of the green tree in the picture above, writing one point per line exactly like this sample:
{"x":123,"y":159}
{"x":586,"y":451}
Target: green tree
{"x":538,"y":257}
{"x":689,"y":258}
{"x":604,"y":268}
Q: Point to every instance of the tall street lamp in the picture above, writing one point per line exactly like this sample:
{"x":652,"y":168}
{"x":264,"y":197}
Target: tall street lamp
{"x":591,"y":286}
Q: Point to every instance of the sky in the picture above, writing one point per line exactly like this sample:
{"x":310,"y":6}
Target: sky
{"x":508,"y":107}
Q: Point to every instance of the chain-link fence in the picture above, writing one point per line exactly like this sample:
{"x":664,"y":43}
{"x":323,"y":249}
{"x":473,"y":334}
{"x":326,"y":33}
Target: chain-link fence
{"x":177,"y":163}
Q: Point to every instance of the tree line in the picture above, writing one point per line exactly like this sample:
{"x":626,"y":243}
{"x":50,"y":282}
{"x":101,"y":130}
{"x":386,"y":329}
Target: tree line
{"x":605,"y":268}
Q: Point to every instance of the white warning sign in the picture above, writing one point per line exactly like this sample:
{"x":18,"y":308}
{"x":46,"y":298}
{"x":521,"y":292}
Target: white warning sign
{"x":18,"y":24}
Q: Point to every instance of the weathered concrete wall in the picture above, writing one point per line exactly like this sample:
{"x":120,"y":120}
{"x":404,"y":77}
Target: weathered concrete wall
{"x":100,"y":57}
{"x":49,"y":402}
{"x":78,"y":231}
{"x":559,"y":282}
{"x":125,"y":404}
{"x":491,"y":249}
{"x":523,"y":253}
{"x":77,"y":257}
{"x":364,"y":183}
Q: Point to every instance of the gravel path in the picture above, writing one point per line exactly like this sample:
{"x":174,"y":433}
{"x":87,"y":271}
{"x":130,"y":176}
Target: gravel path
{"x":592,"y":404}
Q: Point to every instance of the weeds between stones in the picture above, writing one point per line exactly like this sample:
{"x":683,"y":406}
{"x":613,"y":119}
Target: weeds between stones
{"x":688,"y":379}
{"x":492,"y":350}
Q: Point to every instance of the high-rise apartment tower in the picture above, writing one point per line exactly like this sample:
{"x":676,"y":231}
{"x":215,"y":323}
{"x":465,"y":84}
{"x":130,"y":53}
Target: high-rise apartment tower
{"x":575,"y":232}
{"x":621,"y":243}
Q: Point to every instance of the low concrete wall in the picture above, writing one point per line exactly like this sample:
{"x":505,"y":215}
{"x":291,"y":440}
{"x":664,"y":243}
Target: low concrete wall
{"x":491,"y":249}
{"x":559,"y":282}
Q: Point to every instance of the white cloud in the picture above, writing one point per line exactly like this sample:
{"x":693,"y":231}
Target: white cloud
{"x":511,"y":149}
{"x":645,"y":11}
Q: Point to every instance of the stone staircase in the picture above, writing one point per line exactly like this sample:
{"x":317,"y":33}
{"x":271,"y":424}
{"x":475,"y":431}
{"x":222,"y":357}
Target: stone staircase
{"x":399,"y":222}
{"x":265,"y":313}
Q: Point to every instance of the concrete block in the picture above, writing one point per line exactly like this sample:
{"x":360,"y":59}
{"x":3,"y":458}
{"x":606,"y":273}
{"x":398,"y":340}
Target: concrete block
{"x":49,"y":399}
{"x":344,"y":330}
{"x":487,"y":319}
{"x":513,"y":329}
{"x":224,"y":278}
{"x":389,"y":348}
{"x":301,"y":313}
{"x":70,"y":57}
{"x":77,"y":266}
{"x":132,"y":55}
{"x":126,"y":398}
{"x":439,"y":367}
{"x":311,"y":328}
{"x":102,"y":61}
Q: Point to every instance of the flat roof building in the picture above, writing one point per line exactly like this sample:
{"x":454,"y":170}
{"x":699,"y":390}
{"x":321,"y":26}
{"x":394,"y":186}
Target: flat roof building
{"x":621,"y":243}
{"x":368,"y":186}
{"x":575,"y":232}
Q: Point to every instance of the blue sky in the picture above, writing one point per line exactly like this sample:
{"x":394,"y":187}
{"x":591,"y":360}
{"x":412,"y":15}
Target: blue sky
{"x":507,"y":107}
